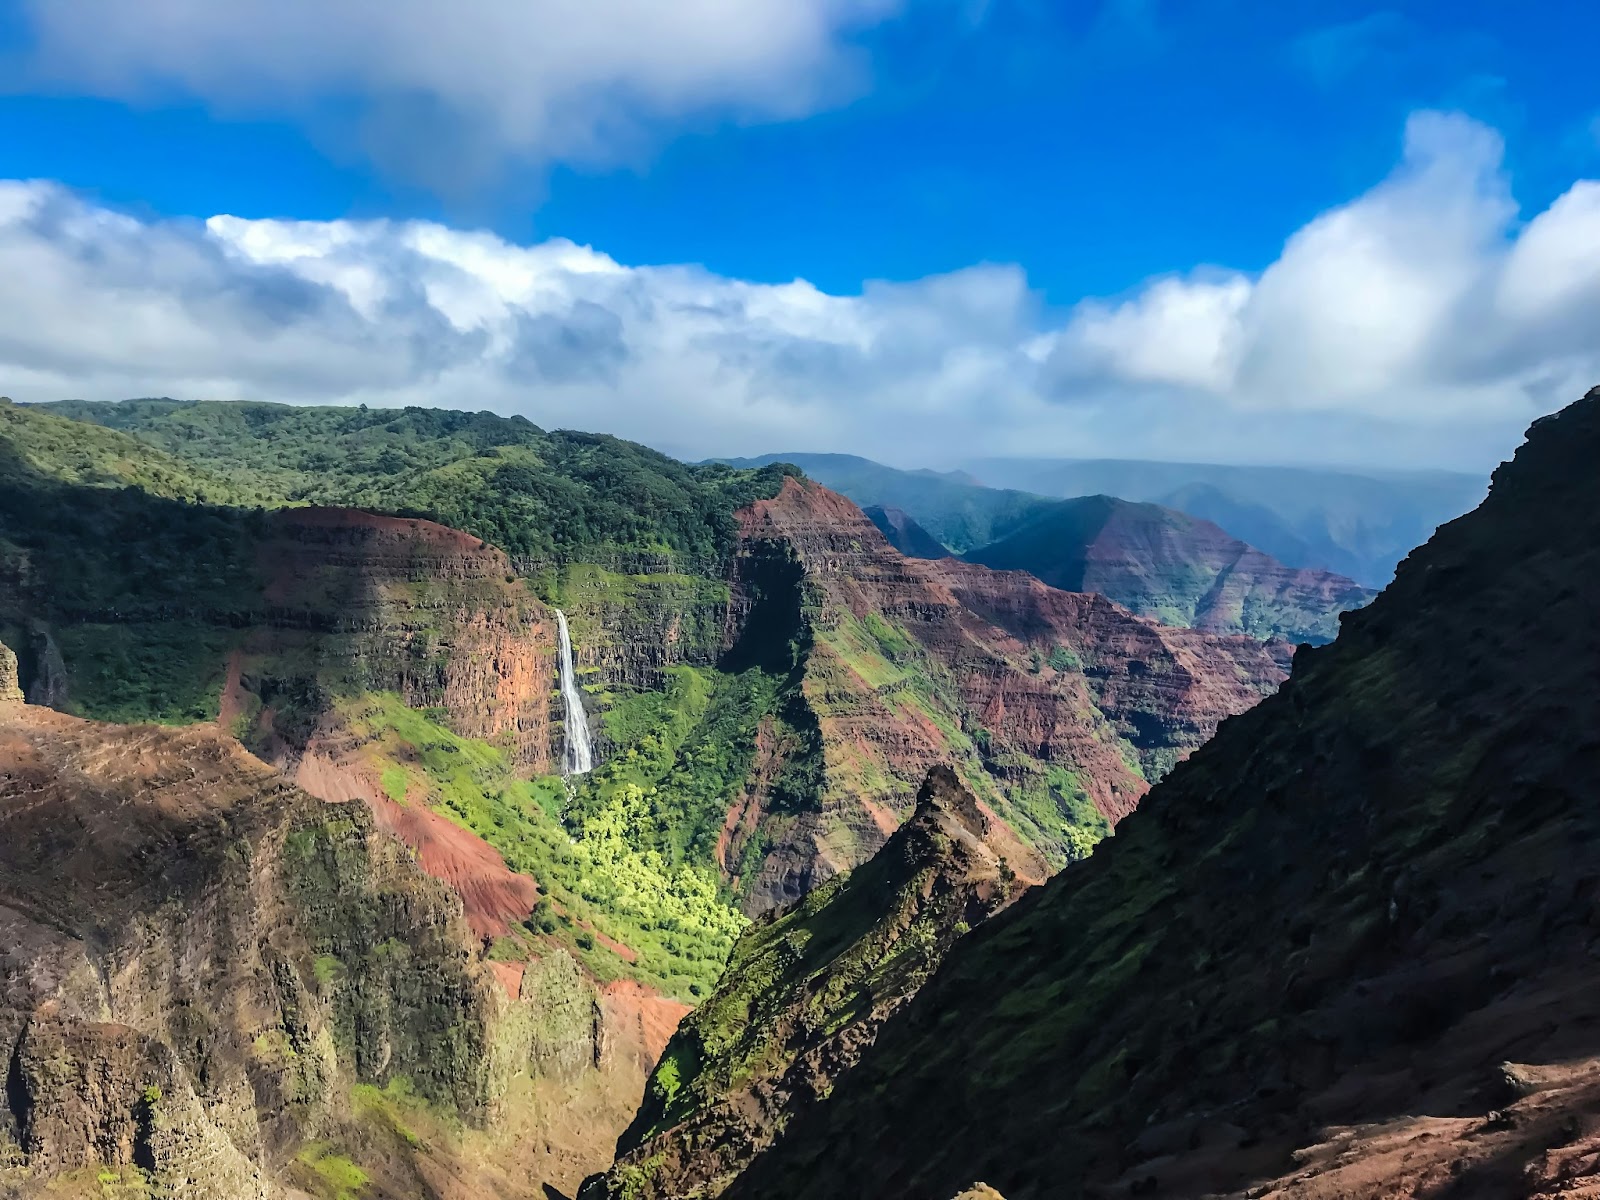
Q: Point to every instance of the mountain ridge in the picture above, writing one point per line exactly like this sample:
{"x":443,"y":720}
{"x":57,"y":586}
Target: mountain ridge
{"x":1181,"y":570}
{"x":1351,"y":907}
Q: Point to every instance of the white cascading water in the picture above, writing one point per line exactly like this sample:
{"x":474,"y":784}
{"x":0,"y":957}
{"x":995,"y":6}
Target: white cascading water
{"x":579,"y":758}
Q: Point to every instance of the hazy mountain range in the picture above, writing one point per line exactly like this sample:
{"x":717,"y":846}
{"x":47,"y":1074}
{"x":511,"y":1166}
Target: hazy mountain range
{"x":1359,"y":524}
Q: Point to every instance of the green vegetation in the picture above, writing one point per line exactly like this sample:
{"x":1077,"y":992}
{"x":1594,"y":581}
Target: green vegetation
{"x":333,"y":1176}
{"x":852,"y":950}
{"x":133,"y":596}
{"x":1054,"y":810}
{"x":543,"y":496}
{"x":606,"y":861}
{"x":393,"y":1107}
{"x":1063,"y":658}
{"x":169,"y":671}
{"x":683,"y":755}
{"x":50,"y":446}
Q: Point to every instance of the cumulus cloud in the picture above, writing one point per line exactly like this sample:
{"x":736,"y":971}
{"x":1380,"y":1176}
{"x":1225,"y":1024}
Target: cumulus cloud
{"x":1426,"y":321}
{"x":448,"y":87}
{"x":1424,"y":301}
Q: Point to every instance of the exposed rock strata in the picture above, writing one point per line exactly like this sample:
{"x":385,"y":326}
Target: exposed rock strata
{"x":909,"y":663}
{"x":1176,"y":568}
{"x":380,"y":603}
{"x":1349,"y":949}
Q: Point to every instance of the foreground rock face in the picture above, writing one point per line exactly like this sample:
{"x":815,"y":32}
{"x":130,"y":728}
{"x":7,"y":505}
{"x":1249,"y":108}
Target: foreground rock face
{"x":1055,"y":708}
{"x":1348,"y":949}
{"x":805,"y":994}
{"x":198,"y":961}
{"x":1176,"y":568}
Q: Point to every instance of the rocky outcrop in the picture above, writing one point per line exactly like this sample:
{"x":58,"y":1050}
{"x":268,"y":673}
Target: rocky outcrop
{"x":805,"y":994}
{"x":10,"y":686}
{"x":198,"y":961}
{"x":1056,"y":709}
{"x":1348,"y":949}
{"x":1162,"y":563}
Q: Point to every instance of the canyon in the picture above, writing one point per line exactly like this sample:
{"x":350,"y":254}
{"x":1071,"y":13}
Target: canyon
{"x":1346,"y":948}
{"x":761,"y":723}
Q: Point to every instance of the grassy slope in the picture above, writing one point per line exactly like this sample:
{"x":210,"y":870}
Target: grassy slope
{"x":1332,"y":884}
{"x":96,"y":540}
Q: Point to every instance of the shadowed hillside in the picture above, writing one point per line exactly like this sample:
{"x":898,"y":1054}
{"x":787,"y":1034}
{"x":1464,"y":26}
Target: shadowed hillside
{"x":1349,"y":946}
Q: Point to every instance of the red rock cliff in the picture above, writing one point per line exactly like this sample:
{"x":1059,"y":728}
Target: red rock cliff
{"x":915,"y":662}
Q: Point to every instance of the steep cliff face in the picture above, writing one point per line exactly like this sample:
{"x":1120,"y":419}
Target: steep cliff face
{"x":1181,"y":570}
{"x":1348,"y":949}
{"x":1056,"y":709}
{"x":903,"y":532}
{"x":216,"y":981}
{"x":806,"y":992}
{"x":357,"y":602}
{"x":633,"y":622}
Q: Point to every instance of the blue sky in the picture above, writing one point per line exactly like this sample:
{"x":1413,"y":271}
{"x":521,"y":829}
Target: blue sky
{"x":1086,"y":150}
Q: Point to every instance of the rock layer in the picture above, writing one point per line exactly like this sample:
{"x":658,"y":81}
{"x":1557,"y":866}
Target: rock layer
{"x":910,"y":663}
{"x":377,"y":603}
{"x":198,"y":960}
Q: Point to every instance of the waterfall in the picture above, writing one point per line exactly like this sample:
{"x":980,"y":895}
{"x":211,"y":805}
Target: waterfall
{"x":579,"y":756}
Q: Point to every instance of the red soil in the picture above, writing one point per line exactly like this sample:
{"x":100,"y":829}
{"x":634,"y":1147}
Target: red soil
{"x":632,"y":1008}
{"x":495,"y":897}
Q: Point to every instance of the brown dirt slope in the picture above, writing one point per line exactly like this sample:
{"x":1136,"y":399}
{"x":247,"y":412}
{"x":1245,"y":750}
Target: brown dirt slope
{"x":1348,"y":949}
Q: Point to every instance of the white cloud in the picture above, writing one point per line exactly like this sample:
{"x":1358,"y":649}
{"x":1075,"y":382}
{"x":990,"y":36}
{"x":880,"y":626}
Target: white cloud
{"x":449,"y":87}
{"x":1423,"y":322}
{"x":1421,"y":302}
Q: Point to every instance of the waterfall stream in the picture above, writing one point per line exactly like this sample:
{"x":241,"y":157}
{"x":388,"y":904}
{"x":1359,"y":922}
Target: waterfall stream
{"x":579,"y":756}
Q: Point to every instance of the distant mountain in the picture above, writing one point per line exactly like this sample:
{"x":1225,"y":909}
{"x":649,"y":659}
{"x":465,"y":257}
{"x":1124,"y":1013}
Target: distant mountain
{"x":903,"y":532}
{"x":1359,"y":524}
{"x":955,"y":509}
{"x":1165,"y":564}
{"x":1347,"y":949}
{"x":1159,"y":562}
